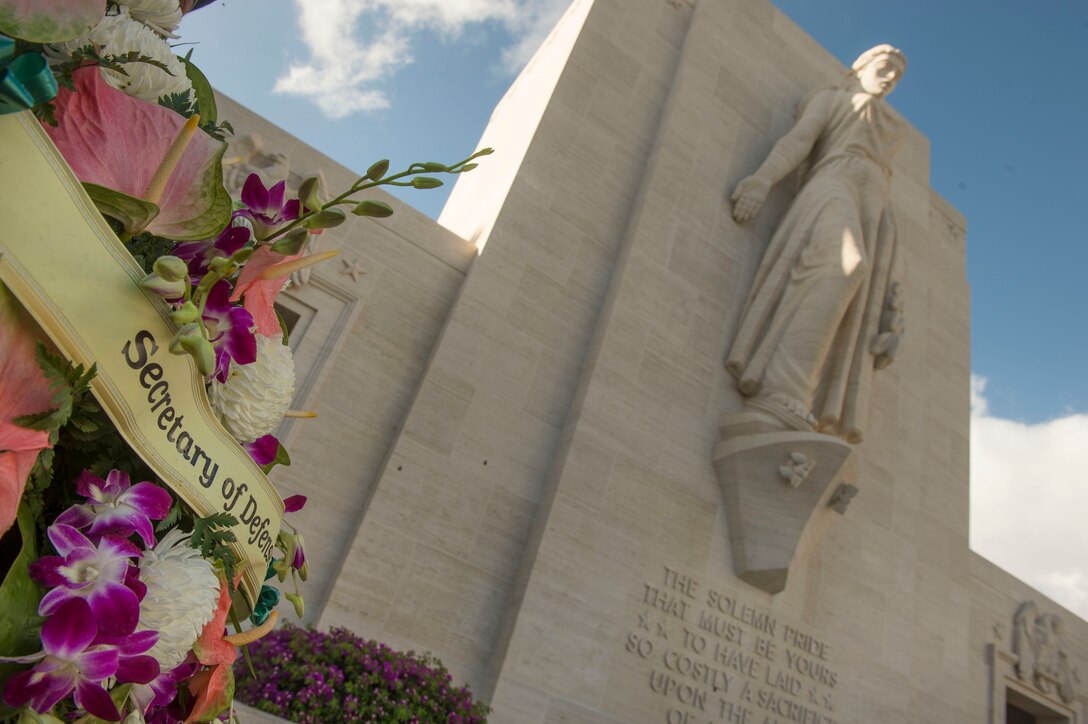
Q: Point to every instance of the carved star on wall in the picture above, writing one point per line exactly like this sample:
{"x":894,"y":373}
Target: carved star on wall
{"x":353,"y":269}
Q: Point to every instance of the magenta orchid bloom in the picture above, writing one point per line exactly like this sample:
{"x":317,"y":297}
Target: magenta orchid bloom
{"x":199,"y":254}
{"x":230,"y":330}
{"x":95,"y":574}
{"x":265,"y":208}
{"x":116,"y":507}
{"x":69,"y":661}
{"x":134,"y":666}
{"x":163,"y":689}
{"x":263,"y":450}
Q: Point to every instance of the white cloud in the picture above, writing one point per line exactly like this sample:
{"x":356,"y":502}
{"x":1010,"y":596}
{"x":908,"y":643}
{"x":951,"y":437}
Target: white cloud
{"x":1029,"y":494}
{"x":354,"y":44}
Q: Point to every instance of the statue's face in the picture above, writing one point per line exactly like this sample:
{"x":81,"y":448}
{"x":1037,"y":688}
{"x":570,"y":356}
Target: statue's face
{"x":881,"y":75}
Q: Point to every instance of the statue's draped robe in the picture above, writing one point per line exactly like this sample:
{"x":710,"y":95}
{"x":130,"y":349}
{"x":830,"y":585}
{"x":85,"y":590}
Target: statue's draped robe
{"x":816,"y":302}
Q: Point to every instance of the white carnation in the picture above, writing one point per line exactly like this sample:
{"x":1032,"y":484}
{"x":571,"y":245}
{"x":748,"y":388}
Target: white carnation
{"x":118,"y":34}
{"x":182,"y":596}
{"x":254,"y":398}
{"x":162,"y":16}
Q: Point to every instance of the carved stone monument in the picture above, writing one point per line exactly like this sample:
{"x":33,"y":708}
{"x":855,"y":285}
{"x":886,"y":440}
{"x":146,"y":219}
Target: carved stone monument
{"x":532,"y":461}
{"x":824,"y":311}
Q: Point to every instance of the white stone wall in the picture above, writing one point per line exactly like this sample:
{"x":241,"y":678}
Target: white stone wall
{"x":360,"y":353}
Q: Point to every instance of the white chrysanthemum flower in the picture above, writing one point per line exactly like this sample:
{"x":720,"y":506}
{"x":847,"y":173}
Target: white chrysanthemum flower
{"x":182,"y":595}
{"x":118,"y":34}
{"x":254,"y":398}
{"x":162,"y":16}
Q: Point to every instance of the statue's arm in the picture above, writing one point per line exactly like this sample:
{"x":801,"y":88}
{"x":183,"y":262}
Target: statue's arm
{"x":786,"y":155}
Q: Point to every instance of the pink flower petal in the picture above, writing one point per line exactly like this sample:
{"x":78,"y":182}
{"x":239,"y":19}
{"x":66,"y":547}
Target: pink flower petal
{"x":294,"y":503}
{"x":263,"y":450}
{"x":90,"y":485}
{"x":69,"y":631}
{"x":24,"y":391}
{"x":44,"y":571}
{"x":78,"y":516}
{"x":137,"y":670}
{"x":115,"y":607}
{"x":149,"y":499}
{"x":260,"y":294}
{"x":116,"y":141}
{"x":50,"y":21}
{"x":40,"y":693}
{"x":98,"y":665}
{"x":96,"y":701}
{"x":66,"y":539}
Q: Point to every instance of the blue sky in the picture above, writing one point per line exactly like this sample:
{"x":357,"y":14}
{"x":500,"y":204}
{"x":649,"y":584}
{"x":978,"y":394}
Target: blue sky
{"x":997,"y":85}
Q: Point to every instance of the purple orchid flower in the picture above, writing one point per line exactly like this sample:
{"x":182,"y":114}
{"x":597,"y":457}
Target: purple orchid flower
{"x":134,"y":666}
{"x":263,"y":450}
{"x":116,"y":507}
{"x":199,"y":254}
{"x":294,"y":503}
{"x":69,"y":661}
{"x":163,"y":689}
{"x":230,"y":330}
{"x":95,"y":574}
{"x":265,"y":208}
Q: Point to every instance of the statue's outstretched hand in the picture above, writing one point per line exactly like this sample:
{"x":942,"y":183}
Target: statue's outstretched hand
{"x":748,"y":198}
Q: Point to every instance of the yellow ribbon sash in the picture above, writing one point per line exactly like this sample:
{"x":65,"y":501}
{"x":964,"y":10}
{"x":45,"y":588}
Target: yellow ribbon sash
{"x":66,"y":266}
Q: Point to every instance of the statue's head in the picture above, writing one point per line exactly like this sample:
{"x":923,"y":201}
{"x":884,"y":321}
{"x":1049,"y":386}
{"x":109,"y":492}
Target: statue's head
{"x":879,"y":69}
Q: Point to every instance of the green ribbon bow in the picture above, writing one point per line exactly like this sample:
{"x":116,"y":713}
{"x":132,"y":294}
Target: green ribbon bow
{"x":25,"y":80}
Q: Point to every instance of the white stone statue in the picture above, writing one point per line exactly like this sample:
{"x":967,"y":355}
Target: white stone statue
{"x":823,"y":311}
{"x":1042,"y":659}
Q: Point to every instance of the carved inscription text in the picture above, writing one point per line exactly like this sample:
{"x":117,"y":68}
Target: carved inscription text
{"x":719,"y":660}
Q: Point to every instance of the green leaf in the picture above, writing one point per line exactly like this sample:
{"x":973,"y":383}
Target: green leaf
{"x":134,"y":213}
{"x":212,"y":533}
{"x":20,"y":624}
{"x":171,"y":518}
{"x":202,"y":89}
{"x":69,"y":384}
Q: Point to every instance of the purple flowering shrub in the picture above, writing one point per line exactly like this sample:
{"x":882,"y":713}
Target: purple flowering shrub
{"x":323,"y":678}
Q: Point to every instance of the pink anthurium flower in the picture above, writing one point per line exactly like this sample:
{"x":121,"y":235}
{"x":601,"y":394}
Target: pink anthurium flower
{"x":229,"y":328}
{"x":117,"y":142}
{"x":259,"y":295}
{"x":49,"y":21}
{"x":114,"y":506}
{"x":93,"y":573}
{"x":68,"y":661}
{"x":24,"y":391}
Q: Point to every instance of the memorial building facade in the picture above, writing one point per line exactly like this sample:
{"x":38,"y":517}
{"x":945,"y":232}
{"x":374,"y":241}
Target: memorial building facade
{"x":666,"y":419}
